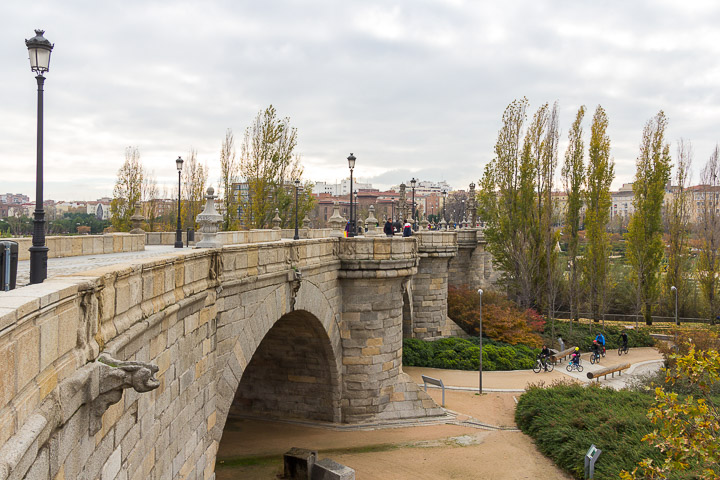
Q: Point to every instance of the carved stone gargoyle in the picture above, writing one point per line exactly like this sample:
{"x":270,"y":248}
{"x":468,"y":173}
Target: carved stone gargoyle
{"x":116,"y":376}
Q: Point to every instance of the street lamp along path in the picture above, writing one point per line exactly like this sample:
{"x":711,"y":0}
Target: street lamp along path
{"x":39,"y":50}
{"x":178,"y":232}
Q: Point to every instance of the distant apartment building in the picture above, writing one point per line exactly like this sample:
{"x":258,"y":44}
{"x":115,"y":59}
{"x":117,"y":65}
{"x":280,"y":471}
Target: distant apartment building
{"x":14,"y":198}
{"x":341,"y":188}
{"x":622,"y":202}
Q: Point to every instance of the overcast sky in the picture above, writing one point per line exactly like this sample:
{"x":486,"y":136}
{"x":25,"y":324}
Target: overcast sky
{"x":412,"y":88}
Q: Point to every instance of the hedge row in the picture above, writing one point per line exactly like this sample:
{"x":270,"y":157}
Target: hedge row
{"x":564,"y":420}
{"x":463,"y":354}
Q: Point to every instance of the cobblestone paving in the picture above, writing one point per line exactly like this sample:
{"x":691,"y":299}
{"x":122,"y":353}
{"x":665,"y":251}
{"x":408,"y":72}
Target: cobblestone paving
{"x":67,"y":265}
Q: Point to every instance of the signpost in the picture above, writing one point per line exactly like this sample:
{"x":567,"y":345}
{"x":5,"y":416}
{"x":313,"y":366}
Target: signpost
{"x":590,"y":457}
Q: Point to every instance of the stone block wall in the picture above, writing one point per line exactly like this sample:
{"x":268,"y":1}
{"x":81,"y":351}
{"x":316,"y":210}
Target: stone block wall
{"x":201,"y":316}
{"x":429,"y":285}
{"x":75,"y":245}
{"x":374,"y":387}
{"x":277,"y":384}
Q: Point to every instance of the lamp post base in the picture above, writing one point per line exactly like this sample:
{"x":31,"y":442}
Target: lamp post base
{"x":38,"y":264}
{"x":178,"y":239}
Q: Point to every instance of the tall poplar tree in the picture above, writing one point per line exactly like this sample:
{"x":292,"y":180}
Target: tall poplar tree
{"x":708,"y":232}
{"x":500,"y":203}
{"x":269,"y":165}
{"x":194,"y":182}
{"x":644,"y":236}
{"x":600,"y":174}
{"x":548,"y":232}
{"x":678,"y":217}
{"x":228,"y":175}
{"x":127,"y":190}
{"x":573,"y":174}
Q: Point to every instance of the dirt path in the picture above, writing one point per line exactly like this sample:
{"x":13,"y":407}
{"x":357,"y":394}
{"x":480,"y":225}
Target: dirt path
{"x":253,"y":449}
{"x":418,"y":452}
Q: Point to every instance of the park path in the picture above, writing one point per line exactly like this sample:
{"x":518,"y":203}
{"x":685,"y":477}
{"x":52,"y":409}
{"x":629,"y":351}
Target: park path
{"x":478,"y":438}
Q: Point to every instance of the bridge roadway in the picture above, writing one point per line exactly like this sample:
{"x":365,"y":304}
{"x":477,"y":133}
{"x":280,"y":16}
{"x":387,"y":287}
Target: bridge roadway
{"x":70,"y":265}
{"x":130,"y":370}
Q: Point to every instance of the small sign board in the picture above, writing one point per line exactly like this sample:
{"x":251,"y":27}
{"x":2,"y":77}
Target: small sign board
{"x":591,"y":451}
{"x":590,"y":458}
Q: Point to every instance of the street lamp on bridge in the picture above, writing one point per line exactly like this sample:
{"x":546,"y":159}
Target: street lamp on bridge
{"x":351,"y":163}
{"x":39,"y":50}
{"x":412,"y":184}
{"x":297,"y":186}
{"x":178,"y":232}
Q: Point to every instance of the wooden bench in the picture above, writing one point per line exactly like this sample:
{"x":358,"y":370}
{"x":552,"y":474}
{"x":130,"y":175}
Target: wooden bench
{"x":559,"y":356}
{"x":607,"y":371}
{"x":437,"y":382}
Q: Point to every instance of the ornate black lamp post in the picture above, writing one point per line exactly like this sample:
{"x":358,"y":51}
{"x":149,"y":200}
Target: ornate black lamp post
{"x":444,"y":193}
{"x":351,"y":164}
{"x":462,"y":218}
{"x":412,"y":184}
{"x":297,"y":186}
{"x":178,"y":232}
{"x":39,"y":49}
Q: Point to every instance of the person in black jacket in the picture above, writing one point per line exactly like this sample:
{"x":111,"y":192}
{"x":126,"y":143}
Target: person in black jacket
{"x":388,"y":229}
{"x":544,"y":355}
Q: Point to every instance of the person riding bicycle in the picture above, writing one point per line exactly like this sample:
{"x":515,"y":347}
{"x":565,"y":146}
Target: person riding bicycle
{"x":601,"y":340}
{"x":596,"y":348}
{"x":575,"y":358}
{"x":624,"y":340}
{"x":544,"y":355}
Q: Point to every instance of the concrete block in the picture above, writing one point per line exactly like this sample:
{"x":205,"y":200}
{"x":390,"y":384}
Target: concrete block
{"x":298,"y":463}
{"x":327,"y":469}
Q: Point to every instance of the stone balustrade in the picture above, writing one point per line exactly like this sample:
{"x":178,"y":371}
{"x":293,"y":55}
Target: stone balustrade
{"x":76,"y":245}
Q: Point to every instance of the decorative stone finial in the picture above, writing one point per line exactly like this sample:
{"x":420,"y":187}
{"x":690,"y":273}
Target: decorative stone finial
{"x":371,"y":221}
{"x":276,"y":220}
{"x":137,"y":219}
{"x":209,"y":221}
{"x":306,"y":222}
{"x":336,"y":221}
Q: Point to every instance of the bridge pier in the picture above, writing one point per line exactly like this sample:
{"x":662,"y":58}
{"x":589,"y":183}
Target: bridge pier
{"x":436,"y":250}
{"x":371,"y":279}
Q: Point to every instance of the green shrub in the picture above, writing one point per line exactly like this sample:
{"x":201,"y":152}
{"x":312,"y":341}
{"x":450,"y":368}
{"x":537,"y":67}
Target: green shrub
{"x":565,"y":419}
{"x":462,"y":354}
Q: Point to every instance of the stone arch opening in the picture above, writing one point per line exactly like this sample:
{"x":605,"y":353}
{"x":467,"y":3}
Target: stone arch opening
{"x":407,"y":312}
{"x":292,"y":374}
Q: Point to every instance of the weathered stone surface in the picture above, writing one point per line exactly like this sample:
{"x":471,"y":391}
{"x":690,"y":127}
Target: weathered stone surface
{"x":234,"y":330}
{"x":327,"y":469}
{"x":298,"y":463}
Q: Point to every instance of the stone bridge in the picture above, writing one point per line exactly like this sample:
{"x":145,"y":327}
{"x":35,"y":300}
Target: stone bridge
{"x":308,"y":329}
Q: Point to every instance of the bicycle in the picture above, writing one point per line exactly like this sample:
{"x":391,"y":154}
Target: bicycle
{"x":539,"y":365}
{"x":623,"y":349}
{"x":574,"y":366}
{"x":595,"y":357}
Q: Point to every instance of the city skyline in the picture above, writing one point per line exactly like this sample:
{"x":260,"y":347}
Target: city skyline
{"x":414,"y":90}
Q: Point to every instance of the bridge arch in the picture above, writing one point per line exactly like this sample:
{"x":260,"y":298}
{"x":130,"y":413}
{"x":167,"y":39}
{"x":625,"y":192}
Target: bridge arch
{"x":284,"y":360}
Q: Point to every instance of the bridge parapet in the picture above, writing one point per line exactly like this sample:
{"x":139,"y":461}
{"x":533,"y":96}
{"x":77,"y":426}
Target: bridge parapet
{"x":473,"y":264}
{"x":378,"y":257}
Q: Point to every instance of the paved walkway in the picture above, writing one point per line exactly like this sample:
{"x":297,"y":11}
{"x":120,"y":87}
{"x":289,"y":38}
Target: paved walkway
{"x":68,"y":265}
{"x":643,"y":361}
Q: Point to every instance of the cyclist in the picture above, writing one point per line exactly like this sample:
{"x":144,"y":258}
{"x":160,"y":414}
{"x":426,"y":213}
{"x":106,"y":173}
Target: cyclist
{"x":544,"y":355}
{"x":575,"y":358}
{"x":624,"y":340}
{"x":596,"y":348}
{"x":601,"y":340}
